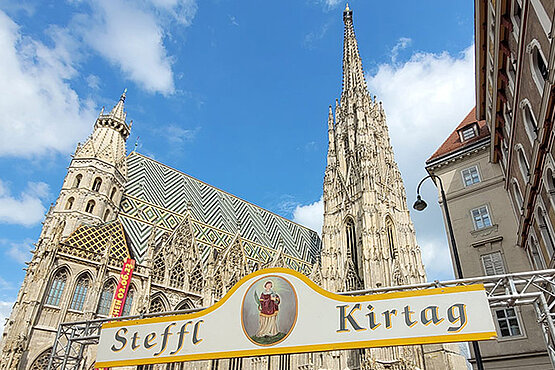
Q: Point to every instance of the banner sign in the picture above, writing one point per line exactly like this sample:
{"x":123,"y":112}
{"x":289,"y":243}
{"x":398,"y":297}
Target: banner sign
{"x":278,"y":311}
{"x":120,"y":295}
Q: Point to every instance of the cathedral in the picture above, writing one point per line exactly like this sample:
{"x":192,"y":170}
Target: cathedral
{"x":192,"y":242}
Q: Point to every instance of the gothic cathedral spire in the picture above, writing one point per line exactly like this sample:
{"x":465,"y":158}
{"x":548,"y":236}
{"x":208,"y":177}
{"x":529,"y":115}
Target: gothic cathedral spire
{"x":368,"y":237}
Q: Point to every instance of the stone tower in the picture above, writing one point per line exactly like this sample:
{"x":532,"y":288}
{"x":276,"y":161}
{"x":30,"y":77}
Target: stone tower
{"x":368,"y":236}
{"x":90,"y":195}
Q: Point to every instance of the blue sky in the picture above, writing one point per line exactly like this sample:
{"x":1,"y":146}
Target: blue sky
{"x":234,"y":93}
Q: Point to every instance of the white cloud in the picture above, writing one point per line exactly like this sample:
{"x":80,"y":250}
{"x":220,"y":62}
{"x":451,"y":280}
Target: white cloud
{"x":27,"y":208}
{"x":425,"y":98}
{"x":402,"y":44}
{"x":39,"y":111}
{"x":5,"y":310}
{"x":310,"y":215}
{"x":131,"y":36}
{"x":20,"y":251}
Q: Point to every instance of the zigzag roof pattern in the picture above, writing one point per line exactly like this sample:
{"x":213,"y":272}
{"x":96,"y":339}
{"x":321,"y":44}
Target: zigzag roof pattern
{"x":159,"y":195}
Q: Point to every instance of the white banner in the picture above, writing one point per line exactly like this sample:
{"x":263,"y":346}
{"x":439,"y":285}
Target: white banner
{"x":277,"y":311}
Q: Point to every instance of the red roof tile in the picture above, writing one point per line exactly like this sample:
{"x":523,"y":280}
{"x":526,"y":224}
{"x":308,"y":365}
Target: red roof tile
{"x":454,"y":143}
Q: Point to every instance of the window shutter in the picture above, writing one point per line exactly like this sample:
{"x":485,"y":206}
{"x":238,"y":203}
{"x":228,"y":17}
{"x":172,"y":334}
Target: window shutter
{"x":488,"y":264}
{"x":493,"y":264}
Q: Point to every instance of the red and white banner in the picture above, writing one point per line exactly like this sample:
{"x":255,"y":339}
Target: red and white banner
{"x":120,"y":295}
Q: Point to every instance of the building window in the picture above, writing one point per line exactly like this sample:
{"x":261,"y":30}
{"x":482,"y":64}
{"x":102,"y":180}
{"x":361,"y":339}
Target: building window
{"x":516,"y":14}
{"x":480,"y":217}
{"x":106,"y":214}
{"x":470,"y":175}
{"x":77,"y":181}
{"x":128,"y":302}
{"x":113,"y":193}
{"x":80,"y":293}
{"x":159,"y":269}
{"x":517,"y":194}
{"x":530,"y":123}
{"x":535,"y":256}
{"x":106,"y":299}
{"x":352,"y":249}
{"x":493,"y":264}
{"x":545,"y":232}
{"x":468,"y":132}
{"x":69,"y":203}
{"x":507,"y":322}
{"x":41,"y":362}
{"x":538,"y":65}
{"x":390,"y":237}
{"x":57,"y":288}
{"x":177,"y":276}
{"x":523,"y":164}
{"x":90,"y":206}
{"x":96,"y":184}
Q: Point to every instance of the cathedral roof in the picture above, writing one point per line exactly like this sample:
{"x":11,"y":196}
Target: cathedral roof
{"x":158,"y":195}
{"x":456,"y":141}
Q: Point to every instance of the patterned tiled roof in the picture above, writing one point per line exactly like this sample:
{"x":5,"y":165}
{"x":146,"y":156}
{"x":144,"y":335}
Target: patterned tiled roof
{"x":158,"y":195}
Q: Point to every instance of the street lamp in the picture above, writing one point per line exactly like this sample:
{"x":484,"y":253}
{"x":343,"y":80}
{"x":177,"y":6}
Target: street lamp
{"x":420,"y":205}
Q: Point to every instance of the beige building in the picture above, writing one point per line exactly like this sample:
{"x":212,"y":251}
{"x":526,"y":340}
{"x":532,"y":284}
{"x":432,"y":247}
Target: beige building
{"x":485,"y":225}
{"x":193,"y":242}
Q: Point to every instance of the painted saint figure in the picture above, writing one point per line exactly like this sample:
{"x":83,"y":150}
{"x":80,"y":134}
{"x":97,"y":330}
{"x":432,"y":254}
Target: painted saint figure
{"x":269,"y":309}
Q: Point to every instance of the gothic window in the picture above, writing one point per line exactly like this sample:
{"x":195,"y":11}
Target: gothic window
{"x":113,"y":193}
{"x":96,"y":184}
{"x":185,"y":305}
{"x":218,"y":285}
{"x":69,"y":203}
{"x":159,"y":269}
{"x":41,"y":362}
{"x":195,"y":279}
{"x":106,"y":298}
{"x":390,"y":237}
{"x":77,"y":181}
{"x":106,"y":214}
{"x":177,"y":276}
{"x":90,"y":206}
{"x":352,"y":250}
{"x":57,"y":288}
{"x":128,"y":302}
{"x":538,"y":65}
{"x":157,"y":305}
{"x":523,"y":164}
{"x":530,"y":123}
{"x":80,"y":293}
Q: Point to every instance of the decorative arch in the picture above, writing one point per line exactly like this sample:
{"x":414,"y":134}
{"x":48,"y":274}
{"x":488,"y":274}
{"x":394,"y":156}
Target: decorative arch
{"x":538,"y":64}
{"x":41,"y":361}
{"x":77,"y":180}
{"x":158,"y":303}
{"x":185,"y":304}
{"x":57,"y":286}
{"x":529,"y":119}
{"x":177,"y":275}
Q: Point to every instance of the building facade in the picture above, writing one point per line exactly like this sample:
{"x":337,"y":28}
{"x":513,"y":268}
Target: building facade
{"x":515,"y":62}
{"x":193,"y":242}
{"x":485,"y":225}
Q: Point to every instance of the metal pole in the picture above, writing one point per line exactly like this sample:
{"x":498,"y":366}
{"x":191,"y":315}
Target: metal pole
{"x":458,"y":267}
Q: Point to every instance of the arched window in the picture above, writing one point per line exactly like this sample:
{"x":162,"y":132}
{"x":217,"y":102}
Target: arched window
{"x":69,"y":203}
{"x":537,"y":64}
{"x":106,"y":297}
{"x":530,"y":123}
{"x":517,"y":195}
{"x":177,"y":276}
{"x":545,"y":231}
{"x":80,"y":293}
{"x":534,"y":253}
{"x":41,"y":362}
{"x":57,"y":286}
{"x":390,"y":237}
{"x":523,"y":164}
{"x":157,"y":305}
{"x":128,"y":302}
{"x":96,"y":184}
{"x":185,"y":305}
{"x":352,"y":250}
{"x":77,"y":181}
{"x":159,"y":269}
{"x":106,"y":215}
{"x":113,"y":193}
{"x":90,"y":206}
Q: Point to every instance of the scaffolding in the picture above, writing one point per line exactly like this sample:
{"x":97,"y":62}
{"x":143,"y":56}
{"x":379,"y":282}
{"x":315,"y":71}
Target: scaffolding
{"x":535,"y":288}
